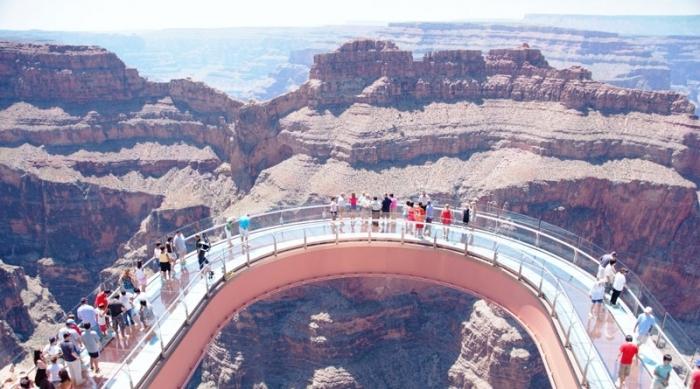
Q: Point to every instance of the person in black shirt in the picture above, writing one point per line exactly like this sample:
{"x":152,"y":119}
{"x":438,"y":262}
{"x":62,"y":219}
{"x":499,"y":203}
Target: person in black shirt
{"x":116,"y":312}
{"x":71,"y":355}
{"x":203,"y":247}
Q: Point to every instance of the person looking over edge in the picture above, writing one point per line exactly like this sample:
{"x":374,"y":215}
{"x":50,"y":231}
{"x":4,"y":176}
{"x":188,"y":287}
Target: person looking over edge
{"x":394,"y":206}
{"x":618,"y":285}
{"x":203,"y":247}
{"x":628,"y":351}
{"x":386,"y":208}
{"x":644,"y":325}
{"x":446,"y":220}
{"x":92,"y":344}
{"x":605,"y":259}
{"x":165,"y":264}
{"x":141,"y":278}
{"x":376,"y":208}
{"x":244,"y":229}
{"x":102,"y":297}
{"x":429,"y":211}
{"x":87,"y":313}
{"x":71,"y":355}
{"x":341,"y":206}
{"x":333,"y":208}
{"x":180,"y":247}
{"x":694,"y":382}
{"x":228,"y":229}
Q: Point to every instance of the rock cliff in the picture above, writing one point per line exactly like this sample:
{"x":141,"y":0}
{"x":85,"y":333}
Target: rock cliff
{"x":372,"y":333}
{"x":97,"y":161}
{"x":377,"y":72}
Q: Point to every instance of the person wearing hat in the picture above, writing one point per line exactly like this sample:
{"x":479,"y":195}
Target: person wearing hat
{"x":70,"y":330}
{"x":694,"y":382}
{"x":644,"y":326}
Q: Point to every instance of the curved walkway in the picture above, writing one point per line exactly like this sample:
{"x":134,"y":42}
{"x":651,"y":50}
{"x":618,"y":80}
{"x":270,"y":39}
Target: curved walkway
{"x":562,"y":283}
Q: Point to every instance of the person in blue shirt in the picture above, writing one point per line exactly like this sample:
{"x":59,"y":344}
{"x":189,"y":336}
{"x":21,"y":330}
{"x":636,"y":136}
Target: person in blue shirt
{"x":662,"y":374}
{"x":244,"y":229}
{"x":644,"y":326}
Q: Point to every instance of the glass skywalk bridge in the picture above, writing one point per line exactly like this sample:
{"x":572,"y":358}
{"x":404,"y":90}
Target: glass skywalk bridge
{"x":555,"y":265}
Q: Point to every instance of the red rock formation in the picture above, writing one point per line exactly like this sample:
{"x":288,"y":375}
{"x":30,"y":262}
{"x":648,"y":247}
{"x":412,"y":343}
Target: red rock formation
{"x":372,"y":332}
{"x":377,"y":72}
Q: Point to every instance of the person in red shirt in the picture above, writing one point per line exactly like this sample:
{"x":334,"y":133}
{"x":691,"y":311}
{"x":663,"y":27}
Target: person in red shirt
{"x":446,"y":220}
{"x":695,"y":376}
{"x":628,"y":351}
{"x":101,"y":298}
{"x":419,"y":216}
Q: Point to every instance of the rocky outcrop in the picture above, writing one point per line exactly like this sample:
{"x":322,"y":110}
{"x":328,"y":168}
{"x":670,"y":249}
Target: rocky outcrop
{"x":372,"y":333}
{"x":28,"y":314}
{"x":70,"y":74}
{"x":377,"y":72}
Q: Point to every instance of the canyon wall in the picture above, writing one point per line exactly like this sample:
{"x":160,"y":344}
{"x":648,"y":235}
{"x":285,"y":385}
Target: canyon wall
{"x":372,"y":333}
{"x":90,"y":182}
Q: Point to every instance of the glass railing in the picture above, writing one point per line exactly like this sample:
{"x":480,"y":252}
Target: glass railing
{"x":310,"y":225}
{"x":277,"y":230}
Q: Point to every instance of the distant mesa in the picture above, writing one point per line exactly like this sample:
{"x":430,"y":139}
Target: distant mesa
{"x":362,"y":71}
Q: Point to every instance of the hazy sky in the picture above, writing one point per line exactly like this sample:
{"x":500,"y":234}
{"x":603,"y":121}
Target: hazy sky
{"x":93,"y":15}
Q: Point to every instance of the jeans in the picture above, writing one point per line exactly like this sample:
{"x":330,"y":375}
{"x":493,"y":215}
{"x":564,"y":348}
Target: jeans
{"x":615,"y":295}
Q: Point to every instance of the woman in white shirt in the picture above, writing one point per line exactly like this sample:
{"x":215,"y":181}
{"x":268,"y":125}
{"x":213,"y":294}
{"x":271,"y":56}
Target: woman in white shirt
{"x":597,"y":294}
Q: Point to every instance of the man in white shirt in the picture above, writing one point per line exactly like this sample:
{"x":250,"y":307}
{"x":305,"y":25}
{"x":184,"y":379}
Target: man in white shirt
{"x":423,"y":198}
{"x":180,"y":246}
{"x":341,"y":206}
{"x":618,"y":285}
{"x":87,"y":313}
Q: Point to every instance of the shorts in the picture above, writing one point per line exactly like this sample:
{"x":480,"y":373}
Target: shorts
{"x":641,"y":339}
{"x":165,"y":266}
{"x":244,"y":232}
{"x":94,"y":355}
{"x":597,"y":301}
{"x":334,"y":214}
{"x":624,"y":371}
{"x":429,"y":220}
{"x":353,"y":207}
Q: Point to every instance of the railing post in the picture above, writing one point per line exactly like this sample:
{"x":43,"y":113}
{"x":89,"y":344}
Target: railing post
{"x":567,"y":344}
{"x":435,"y":241}
{"x":403,"y":232}
{"x":661,"y":332}
{"x":539,"y":288}
{"x":128,"y":373}
{"x":537,"y":238}
{"x":575,"y":255}
{"x":274,"y":244}
{"x":585,"y":369}
{"x":466,"y":245}
{"x":369,"y":233}
{"x":304,"y":238}
{"x":554,"y":304}
{"x":337,"y":237}
{"x":471,"y":237}
{"x":223,"y":259}
{"x":520,"y":270}
{"x":494,"y":260}
{"x":187,"y":311}
{"x":247,"y":257}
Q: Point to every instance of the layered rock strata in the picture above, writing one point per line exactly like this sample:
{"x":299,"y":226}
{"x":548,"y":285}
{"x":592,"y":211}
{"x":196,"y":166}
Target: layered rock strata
{"x":372,"y":333}
{"x":97,"y":161}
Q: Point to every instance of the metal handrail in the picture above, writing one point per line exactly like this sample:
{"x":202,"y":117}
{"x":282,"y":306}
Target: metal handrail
{"x":480,"y":214}
{"x":559,"y":289}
